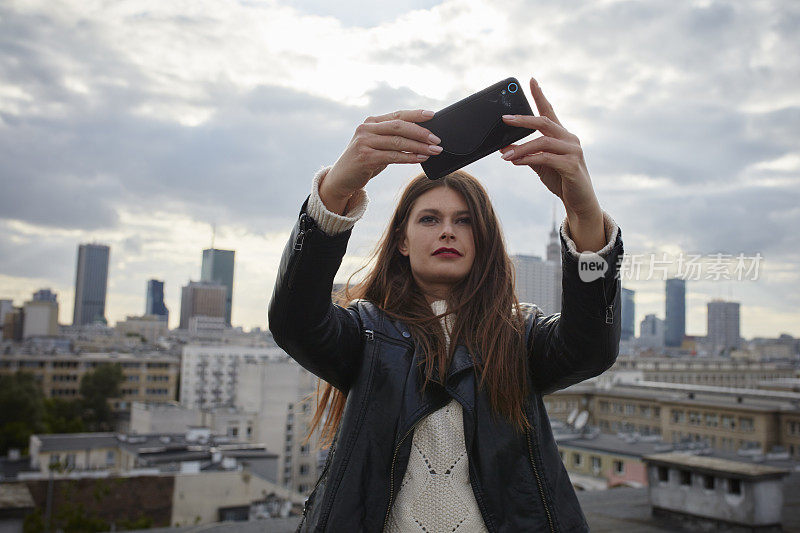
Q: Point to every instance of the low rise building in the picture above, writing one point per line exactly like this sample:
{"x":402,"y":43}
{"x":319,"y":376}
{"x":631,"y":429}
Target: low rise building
{"x":727,"y":419}
{"x":147,"y":377}
{"x":701,"y":493}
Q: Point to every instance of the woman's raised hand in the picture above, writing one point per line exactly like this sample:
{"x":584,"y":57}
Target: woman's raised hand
{"x":378,"y":142}
{"x":556,"y":156}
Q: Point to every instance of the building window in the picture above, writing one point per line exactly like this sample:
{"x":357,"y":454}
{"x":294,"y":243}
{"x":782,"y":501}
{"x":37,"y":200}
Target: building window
{"x":678,"y":416}
{"x":734,"y":486}
{"x":663,"y":474}
{"x":596,"y":464}
{"x":110,"y":458}
{"x":576,"y":459}
{"x":619,"y":468}
{"x":303,"y":469}
{"x":728,"y":422}
{"x":708,"y":482}
{"x":686,"y":477}
{"x":746,"y":424}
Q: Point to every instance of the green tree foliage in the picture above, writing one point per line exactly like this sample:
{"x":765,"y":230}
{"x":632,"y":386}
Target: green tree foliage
{"x":24,"y":410}
{"x":96,"y":388}
{"x":21,"y":409}
{"x":63,"y":416}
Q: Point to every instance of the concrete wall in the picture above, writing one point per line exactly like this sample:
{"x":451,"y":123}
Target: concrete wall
{"x":759,"y":503}
{"x":198,"y":497}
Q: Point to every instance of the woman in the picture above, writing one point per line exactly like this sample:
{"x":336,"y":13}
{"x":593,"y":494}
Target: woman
{"x":473,"y":450}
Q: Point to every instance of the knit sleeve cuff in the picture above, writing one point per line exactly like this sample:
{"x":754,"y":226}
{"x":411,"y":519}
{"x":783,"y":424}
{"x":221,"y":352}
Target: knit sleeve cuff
{"x":333,"y":223}
{"x":609,"y":226}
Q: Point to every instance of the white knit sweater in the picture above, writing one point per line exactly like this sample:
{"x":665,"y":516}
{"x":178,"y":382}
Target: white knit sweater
{"x":435,"y":494}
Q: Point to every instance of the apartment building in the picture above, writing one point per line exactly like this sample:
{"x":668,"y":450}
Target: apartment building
{"x":717,"y":371}
{"x":727,"y":419}
{"x":152,"y":377}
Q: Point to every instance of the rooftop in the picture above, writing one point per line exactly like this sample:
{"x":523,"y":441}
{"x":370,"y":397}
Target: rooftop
{"x":628,"y":509}
{"x":691,"y":394}
{"x":715,"y":465}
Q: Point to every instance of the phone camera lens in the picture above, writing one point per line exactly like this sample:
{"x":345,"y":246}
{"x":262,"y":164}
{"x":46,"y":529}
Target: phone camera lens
{"x":512,"y":87}
{"x":503,"y":91}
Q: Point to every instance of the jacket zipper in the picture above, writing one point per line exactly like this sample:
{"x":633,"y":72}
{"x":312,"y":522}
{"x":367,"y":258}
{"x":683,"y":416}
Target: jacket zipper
{"x":609,"y":308}
{"x":371,"y":334}
{"x":322,"y":476}
{"x":391,"y":475}
{"x":298,"y":247}
{"x":539,"y":482}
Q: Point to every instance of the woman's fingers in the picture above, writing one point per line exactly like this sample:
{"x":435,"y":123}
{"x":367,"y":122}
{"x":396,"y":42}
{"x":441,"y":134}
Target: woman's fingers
{"x":408,"y":115}
{"x":401,"y":128}
{"x":544,"y":124}
{"x":399,"y":143}
{"x":540,"y":144}
{"x":386,"y":157}
{"x":564,"y":163}
{"x":543,"y":104}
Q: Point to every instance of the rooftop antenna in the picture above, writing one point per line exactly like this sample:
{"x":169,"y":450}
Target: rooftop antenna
{"x":580,"y":422}
{"x":572,"y":415}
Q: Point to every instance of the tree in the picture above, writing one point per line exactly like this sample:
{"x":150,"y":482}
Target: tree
{"x":63,"y":416}
{"x":21,"y":409}
{"x":97,"y":387}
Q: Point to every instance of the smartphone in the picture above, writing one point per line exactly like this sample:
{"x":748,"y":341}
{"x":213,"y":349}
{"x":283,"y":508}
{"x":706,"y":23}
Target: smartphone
{"x":473,"y":128}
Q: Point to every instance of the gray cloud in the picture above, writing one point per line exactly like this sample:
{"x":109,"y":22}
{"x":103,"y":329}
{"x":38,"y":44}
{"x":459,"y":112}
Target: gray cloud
{"x":693,"y":96}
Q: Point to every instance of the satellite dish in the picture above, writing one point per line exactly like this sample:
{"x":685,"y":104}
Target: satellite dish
{"x":581,"y":420}
{"x":572,"y":415}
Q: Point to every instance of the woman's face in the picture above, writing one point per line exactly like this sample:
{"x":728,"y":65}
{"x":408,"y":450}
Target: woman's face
{"x":439,"y":219}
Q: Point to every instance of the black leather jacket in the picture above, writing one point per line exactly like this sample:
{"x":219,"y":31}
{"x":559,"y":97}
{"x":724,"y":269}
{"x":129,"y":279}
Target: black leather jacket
{"x":519,"y":480}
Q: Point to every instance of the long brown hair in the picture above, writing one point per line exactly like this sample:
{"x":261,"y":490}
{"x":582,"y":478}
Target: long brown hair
{"x":483,"y":302}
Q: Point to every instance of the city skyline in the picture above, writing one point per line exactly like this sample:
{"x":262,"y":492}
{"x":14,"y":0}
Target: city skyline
{"x":146,"y":150}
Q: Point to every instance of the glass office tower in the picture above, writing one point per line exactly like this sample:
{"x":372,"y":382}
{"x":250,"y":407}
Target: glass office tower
{"x":91,"y":282}
{"x":218,"y":268}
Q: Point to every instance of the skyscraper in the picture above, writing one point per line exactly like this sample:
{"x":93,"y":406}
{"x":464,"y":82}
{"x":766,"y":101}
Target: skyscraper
{"x":154,"y":304}
{"x":539,"y":282}
{"x":44,"y":295}
{"x":218,"y":268}
{"x":651,"y":332}
{"x":202,"y":299}
{"x":675,"y":312}
{"x":723,"y":325}
{"x":628,"y":314}
{"x":91,"y":281}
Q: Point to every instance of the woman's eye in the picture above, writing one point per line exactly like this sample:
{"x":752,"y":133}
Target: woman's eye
{"x":426,"y":218}
{"x":464,"y":220}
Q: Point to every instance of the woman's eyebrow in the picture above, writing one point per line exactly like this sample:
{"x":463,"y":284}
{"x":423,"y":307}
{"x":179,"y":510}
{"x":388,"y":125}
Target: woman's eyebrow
{"x":437,"y":212}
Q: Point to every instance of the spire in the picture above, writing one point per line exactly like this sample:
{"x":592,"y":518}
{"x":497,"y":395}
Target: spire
{"x":213,"y":233}
{"x":554,"y":244}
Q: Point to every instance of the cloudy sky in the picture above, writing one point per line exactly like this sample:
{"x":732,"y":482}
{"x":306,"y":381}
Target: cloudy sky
{"x":140,"y":124}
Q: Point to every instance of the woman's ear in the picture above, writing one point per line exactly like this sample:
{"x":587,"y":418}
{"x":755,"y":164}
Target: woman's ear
{"x":402,"y":246}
